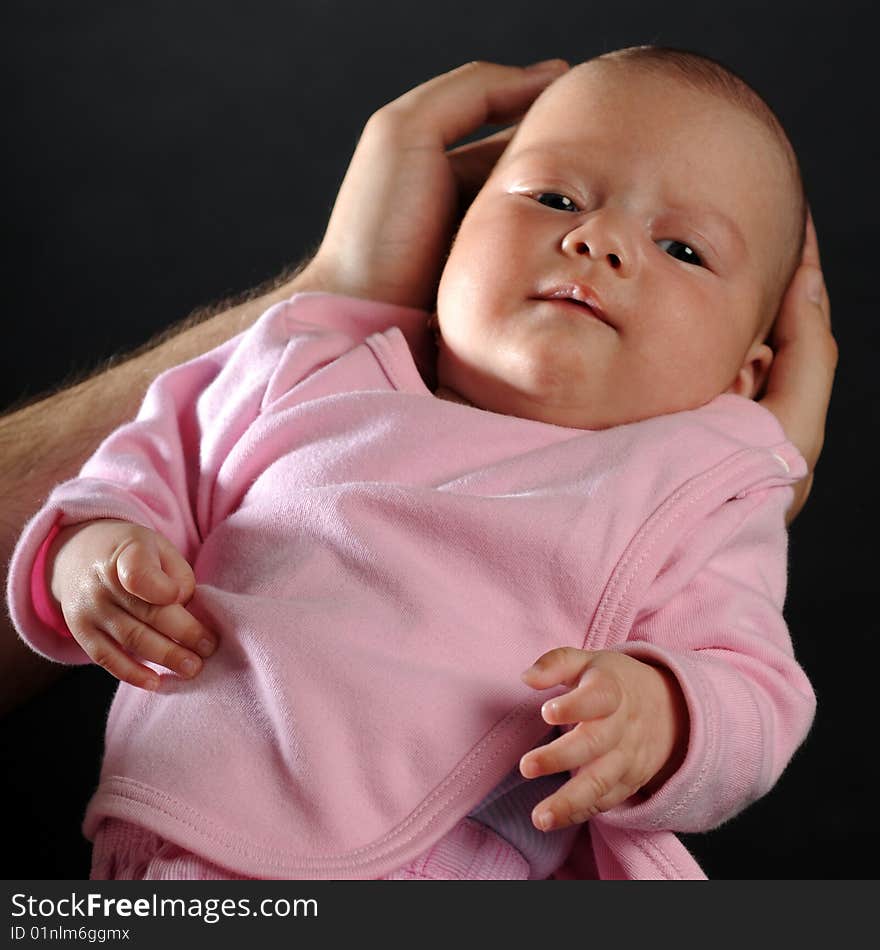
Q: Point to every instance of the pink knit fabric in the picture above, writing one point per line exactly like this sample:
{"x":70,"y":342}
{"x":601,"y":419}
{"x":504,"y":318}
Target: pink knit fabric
{"x":381,"y":565}
{"x":470,"y":852}
{"x":44,"y":605}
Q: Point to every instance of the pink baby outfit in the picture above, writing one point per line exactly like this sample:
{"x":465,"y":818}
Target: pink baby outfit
{"x":469,"y":852}
{"x":381,"y":565}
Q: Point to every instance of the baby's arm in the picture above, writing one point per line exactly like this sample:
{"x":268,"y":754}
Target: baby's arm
{"x":158,"y":475}
{"x":121,"y":589}
{"x":712,"y":622}
{"x":629,"y":731}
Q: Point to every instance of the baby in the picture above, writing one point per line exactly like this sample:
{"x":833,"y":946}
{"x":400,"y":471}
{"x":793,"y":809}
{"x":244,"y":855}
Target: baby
{"x":386,"y":526}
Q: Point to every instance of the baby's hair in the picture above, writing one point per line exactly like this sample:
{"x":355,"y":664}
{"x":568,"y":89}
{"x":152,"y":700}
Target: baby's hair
{"x":708,"y":75}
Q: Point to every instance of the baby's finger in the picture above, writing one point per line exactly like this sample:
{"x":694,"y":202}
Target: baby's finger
{"x":597,"y":695}
{"x":619,"y":794}
{"x":143,"y":641}
{"x":103,"y":650}
{"x":176,"y":566}
{"x":140,"y":573}
{"x":177,"y":623}
{"x":572,"y":750}
{"x":579,"y":799}
{"x":564,"y":665}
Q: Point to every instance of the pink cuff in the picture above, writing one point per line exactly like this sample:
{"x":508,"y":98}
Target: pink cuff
{"x":44,"y":603}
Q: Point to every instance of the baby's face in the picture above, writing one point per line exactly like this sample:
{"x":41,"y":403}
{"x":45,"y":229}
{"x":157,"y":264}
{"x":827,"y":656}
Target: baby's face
{"x":618,"y":262}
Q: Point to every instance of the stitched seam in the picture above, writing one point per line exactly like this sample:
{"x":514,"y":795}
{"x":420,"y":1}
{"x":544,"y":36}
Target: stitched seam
{"x":656,"y":527}
{"x":668,"y":514}
{"x":654,"y":853}
{"x":364,"y":855}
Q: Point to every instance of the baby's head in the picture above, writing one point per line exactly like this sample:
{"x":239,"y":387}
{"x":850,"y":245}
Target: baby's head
{"x":628,"y":253}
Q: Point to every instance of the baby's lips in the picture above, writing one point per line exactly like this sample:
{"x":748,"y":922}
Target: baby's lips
{"x":578,"y":295}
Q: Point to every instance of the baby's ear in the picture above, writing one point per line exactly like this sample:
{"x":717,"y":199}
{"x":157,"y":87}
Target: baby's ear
{"x":752,"y":374}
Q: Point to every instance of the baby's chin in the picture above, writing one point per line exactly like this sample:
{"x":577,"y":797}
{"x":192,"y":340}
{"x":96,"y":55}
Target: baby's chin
{"x":594,"y":415}
{"x":544,"y":391}
{"x":511,"y":402}
{"x":592,"y":418}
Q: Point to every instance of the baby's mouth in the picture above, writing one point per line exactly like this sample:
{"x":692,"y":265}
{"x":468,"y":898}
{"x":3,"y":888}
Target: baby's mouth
{"x":577,"y":297}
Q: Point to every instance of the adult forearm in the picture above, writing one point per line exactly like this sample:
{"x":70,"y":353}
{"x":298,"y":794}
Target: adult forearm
{"x":48,"y":441}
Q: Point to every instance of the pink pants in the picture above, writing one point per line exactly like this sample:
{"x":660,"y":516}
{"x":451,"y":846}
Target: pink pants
{"x":470,"y":852}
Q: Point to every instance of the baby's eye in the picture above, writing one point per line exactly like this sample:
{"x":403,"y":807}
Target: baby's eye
{"x":554,"y":200}
{"x":680,"y":251}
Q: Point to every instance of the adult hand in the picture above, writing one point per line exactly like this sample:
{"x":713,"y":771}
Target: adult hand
{"x":386,"y":240}
{"x":799,"y":386}
{"x":399,"y":202}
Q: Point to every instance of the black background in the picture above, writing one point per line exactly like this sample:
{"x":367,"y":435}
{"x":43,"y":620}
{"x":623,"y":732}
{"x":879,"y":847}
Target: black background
{"x":160,"y":156}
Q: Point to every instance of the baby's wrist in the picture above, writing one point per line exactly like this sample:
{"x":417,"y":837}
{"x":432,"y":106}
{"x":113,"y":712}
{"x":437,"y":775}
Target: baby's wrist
{"x":678,"y":718}
{"x":60,"y":538}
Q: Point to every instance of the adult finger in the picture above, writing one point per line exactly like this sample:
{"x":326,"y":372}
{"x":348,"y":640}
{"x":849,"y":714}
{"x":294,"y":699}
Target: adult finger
{"x":450,"y":106}
{"x":799,"y":385}
{"x":810,"y":254}
{"x":471,"y":163}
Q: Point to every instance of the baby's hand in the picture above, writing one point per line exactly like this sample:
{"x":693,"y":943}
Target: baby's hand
{"x":630,"y":732}
{"x":121,"y":588}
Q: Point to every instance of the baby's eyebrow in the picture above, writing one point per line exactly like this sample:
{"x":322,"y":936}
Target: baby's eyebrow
{"x":556,"y":150}
{"x":716,"y":222}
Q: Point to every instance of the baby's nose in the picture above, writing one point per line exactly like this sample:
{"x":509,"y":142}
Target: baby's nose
{"x":581,"y":247}
{"x":602,"y":238}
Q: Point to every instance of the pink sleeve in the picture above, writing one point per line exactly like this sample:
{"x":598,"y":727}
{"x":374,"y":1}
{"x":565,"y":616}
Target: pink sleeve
{"x":714,"y":618}
{"x":44,"y":605}
{"x":162,"y":469}
{"x":157,"y":470}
